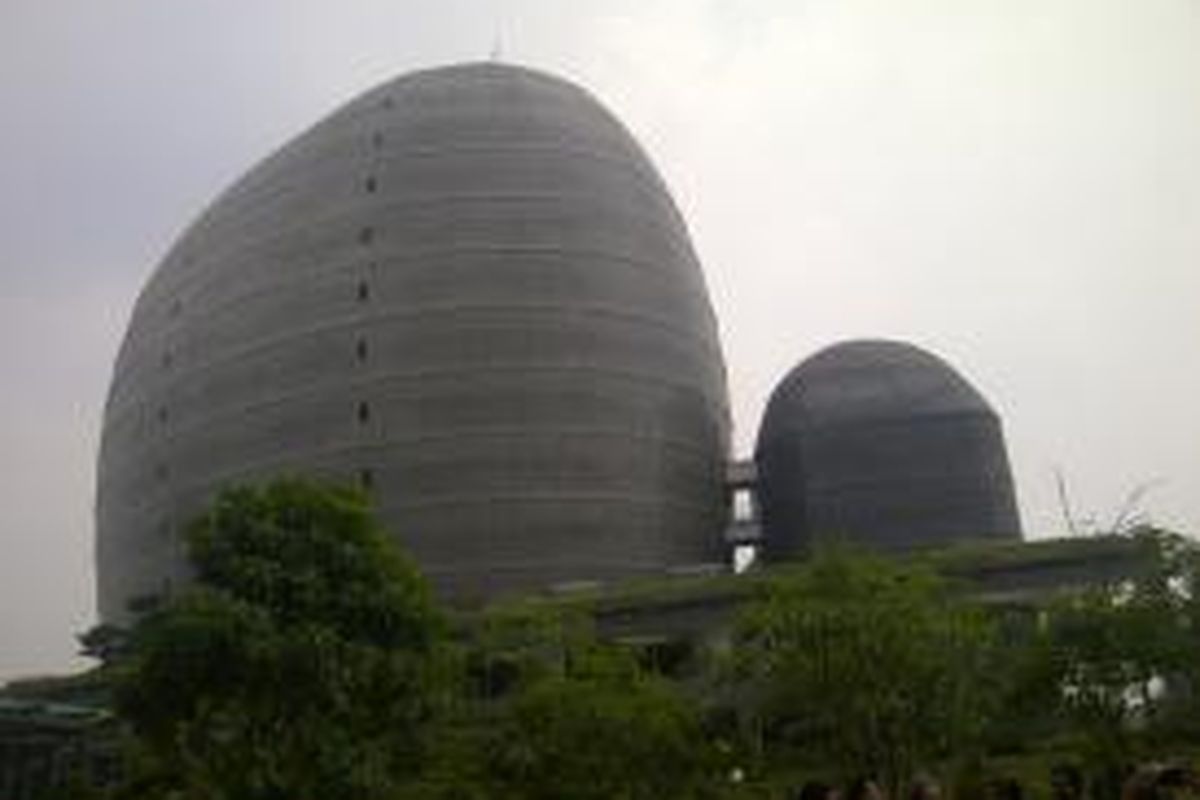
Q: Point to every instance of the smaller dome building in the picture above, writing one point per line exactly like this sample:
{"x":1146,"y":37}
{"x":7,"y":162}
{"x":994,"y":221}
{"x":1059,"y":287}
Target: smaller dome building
{"x":881,"y":444}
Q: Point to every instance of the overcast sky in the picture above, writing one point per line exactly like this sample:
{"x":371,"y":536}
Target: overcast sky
{"x":1013,"y":184}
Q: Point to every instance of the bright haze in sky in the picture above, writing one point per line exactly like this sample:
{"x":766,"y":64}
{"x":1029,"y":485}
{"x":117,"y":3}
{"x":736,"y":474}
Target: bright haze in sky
{"x":1013,"y":184}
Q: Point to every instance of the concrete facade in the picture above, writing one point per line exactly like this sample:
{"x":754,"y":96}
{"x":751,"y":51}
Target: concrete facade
{"x":468,"y":290}
{"x":881,"y":444}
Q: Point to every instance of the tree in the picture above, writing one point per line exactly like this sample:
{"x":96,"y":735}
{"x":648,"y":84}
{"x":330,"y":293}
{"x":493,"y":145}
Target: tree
{"x":306,"y":661}
{"x":604,"y":729}
{"x":556,"y":713}
{"x":1122,"y":658}
{"x":867,"y":666}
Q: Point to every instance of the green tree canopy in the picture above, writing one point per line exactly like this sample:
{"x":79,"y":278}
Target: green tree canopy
{"x":864,"y":666}
{"x":556,"y":713}
{"x":313,"y":555}
{"x":1121,"y":659}
{"x":305,"y":661}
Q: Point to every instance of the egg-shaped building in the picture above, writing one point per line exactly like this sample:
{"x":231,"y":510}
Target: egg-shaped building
{"x":469,"y":290}
{"x":880,"y":444}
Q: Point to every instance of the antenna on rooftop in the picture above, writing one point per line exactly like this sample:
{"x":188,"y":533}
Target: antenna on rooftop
{"x":497,"y":49}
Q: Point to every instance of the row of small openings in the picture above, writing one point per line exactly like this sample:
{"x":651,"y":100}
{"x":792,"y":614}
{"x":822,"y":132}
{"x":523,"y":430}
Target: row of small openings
{"x":363,"y":290}
{"x":366,"y":476}
{"x":371,"y":185}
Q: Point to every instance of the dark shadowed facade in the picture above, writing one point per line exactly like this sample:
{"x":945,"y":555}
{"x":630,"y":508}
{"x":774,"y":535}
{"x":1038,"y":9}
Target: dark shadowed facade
{"x":468,"y":290}
{"x":882,"y":444}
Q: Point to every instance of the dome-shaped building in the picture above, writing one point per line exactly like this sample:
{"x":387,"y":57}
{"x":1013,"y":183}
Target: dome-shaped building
{"x":881,"y":444}
{"x":469,"y":290}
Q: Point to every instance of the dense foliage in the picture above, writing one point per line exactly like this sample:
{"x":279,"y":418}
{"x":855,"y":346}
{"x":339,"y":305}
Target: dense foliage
{"x":866,"y":667}
{"x":308,"y":660}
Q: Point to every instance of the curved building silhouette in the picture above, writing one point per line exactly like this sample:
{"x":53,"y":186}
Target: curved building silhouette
{"x":469,"y":290}
{"x":881,"y":444}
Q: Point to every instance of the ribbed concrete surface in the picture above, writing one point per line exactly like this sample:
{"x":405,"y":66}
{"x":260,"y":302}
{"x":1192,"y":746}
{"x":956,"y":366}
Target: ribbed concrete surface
{"x":881,"y":444}
{"x":468,"y":288}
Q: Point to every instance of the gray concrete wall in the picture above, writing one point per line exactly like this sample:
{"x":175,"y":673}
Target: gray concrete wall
{"x":881,"y":444}
{"x":468,"y":288}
